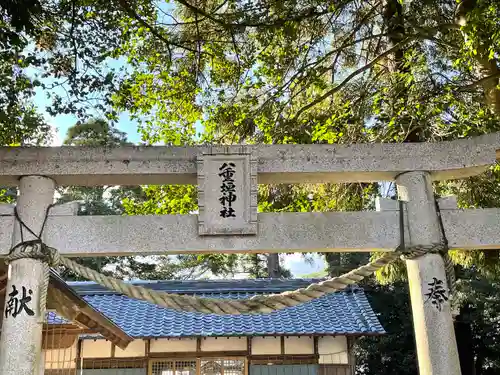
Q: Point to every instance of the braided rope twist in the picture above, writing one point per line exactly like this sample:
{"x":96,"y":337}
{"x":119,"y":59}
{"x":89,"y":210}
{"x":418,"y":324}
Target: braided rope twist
{"x":50,"y":257}
{"x":415,"y":252}
{"x":254,"y":305}
{"x":222,"y":306}
{"x":440,"y":248}
{"x":36,"y":249}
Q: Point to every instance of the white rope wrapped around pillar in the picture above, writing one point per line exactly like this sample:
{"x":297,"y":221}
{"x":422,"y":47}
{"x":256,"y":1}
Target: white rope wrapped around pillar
{"x":255,"y":305}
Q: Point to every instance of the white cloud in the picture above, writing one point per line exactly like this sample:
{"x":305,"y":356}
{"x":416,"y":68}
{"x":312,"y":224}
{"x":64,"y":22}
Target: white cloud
{"x":56,"y":138}
{"x":299,"y":266}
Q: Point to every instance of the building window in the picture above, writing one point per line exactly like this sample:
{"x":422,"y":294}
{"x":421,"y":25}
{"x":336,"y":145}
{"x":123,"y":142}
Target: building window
{"x":222,"y":367}
{"x":202,"y":366}
{"x":173,"y":367}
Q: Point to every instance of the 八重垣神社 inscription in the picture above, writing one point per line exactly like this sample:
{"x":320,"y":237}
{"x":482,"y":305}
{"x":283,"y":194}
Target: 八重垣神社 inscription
{"x":16,"y":304}
{"x":227,"y":189}
{"x":437,"y":294}
{"x":227,"y":193}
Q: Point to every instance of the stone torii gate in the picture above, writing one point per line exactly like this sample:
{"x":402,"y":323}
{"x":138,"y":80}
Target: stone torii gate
{"x":228,"y":221}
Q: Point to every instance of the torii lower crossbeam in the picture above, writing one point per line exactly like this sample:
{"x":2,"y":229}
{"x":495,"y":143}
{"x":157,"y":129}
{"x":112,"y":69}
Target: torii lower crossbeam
{"x":227,"y":179}
{"x":285,"y":232}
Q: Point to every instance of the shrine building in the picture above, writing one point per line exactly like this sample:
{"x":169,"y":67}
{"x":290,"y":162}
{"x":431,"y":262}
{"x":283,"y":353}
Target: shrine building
{"x":91,"y":330}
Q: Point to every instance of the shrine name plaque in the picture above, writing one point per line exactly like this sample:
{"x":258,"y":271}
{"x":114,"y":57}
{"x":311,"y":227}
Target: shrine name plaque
{"x":227,"y":192}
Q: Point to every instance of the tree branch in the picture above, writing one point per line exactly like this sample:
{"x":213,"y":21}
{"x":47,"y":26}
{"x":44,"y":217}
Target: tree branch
{"x":480,"y":82}
{"x":200,"y":12}
{"x":72,"y":29}
{"x":313,"y":65}
{"x":131,"y":12}
{"x":278,"y":22}
{"x":351,"y":76}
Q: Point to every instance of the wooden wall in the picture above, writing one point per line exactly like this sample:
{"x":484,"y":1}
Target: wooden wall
{"x":320,"y":350}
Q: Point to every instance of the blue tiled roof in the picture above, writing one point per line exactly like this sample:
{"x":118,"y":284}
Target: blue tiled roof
{"x":53,"y":318}
{"x":347,"y":312}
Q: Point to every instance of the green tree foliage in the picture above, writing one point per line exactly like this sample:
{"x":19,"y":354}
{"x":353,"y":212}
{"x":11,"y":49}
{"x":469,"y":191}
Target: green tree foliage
{"x":96,"y":132}
{"x":267,"y":71}
{"x":394,"y":352}
{"x":20,"y":123}
{"x":182,"y":199}
{"x":101,"y":200}
{"x":275,"y":71}
{"x":477,"y":325}
{"x":120,"y":200}
{"x":258,"y":266}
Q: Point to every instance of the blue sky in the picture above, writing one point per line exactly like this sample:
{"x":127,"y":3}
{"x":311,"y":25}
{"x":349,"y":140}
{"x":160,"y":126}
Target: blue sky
{"x":299,"y":267}
{"x":60,"y":124}
{"x":295,"y":262}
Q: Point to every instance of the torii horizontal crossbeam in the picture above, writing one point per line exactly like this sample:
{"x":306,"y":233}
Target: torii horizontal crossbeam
{"x":174,"y":234}
{"x":134,"y":165}
{"x":278,"y":232}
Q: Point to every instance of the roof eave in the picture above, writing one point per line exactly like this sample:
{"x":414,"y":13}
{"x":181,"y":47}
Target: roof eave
{"x":71,"y":306}
{"x":316,"y":334}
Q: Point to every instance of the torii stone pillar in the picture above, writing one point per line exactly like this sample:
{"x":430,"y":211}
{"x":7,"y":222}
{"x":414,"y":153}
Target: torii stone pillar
{"x":432,"y":316}
{"x":21,"y":339}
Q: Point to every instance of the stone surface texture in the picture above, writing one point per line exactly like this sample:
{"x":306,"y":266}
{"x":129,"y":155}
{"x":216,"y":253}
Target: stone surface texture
{"x":434,"y":332}
{"x":448,"y":202}
{"x":472,"y":228}
{"x":20,"y":343}
{"x":125,"y":235}
{"x":386,"y":204}
{"x":243,"y":178}
{"x":6,"y":209}
{"x":278,"y":232}
{"x":6,"y":230}
{"x":135,"y":165}
{"x":21,"y":337}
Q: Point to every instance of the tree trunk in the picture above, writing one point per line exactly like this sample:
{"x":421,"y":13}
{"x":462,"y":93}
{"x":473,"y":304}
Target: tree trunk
{"x":489,"y":68}
{"x":394,"y":22}
{"x":486,"y":67}
{"x":273,"y":266}
{"x":479,"y":364}
{"x":333,"y":262}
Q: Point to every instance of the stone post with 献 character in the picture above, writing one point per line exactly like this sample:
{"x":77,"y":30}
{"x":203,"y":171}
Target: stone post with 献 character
{"x":22,"y":326}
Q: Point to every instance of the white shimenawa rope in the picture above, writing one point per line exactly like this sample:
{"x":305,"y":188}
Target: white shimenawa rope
{"x":259,"y":304}
{"x":253,"y":305}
